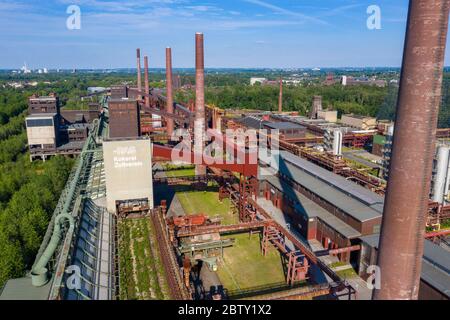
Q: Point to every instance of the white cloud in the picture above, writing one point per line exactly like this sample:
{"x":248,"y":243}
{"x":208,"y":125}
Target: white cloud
{"x":283,"y":11}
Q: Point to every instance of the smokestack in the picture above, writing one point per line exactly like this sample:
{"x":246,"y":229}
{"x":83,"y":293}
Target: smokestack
{"x":169,"y":90}
{"x":147,"y":87}
{"x":406,"y":203}
{"x":199,"y":125}
{"x":280,"y":98}
{"x":199,"y":78}
{"x":139,"y":75}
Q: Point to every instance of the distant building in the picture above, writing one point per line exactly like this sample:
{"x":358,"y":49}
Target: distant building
{"x":42,"y":132}
{"x":92,"y":90}
{"x":124,"y":119}
{"x":287,"y":130}
{"x":119,"y":91}
{"x":51,"y":131}
{"x":25,"y":69}
{"x":255,"y":80}
{"x":352,"y":81}
{"x":328,"y":115}
{"x":316,"y":107}
{"x":360,"y":122}
{"x":49,"y":104}
{"x":378,"y":144}
{"x":330,"y":80}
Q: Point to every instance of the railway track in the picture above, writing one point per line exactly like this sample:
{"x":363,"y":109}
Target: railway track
{"x":176,"y":287}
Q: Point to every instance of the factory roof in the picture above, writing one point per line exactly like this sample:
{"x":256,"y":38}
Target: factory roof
{"x":74,"y":126}
{"x":71,"y":145}
{"x":312,"y":210}
{"x":435,"y":263}
{"x":43,"y":98}
{"x":358,"y":202}
{"x":357,"y":116}
{"x":42,"y":115}
{"x":117,"y":100}
{"x":253,"y":122}
{"x":22,"y":289}
{"x":283,"y":125}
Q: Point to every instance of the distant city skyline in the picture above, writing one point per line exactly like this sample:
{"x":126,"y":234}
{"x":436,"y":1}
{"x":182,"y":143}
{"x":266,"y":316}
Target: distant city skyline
{"x":238,"y":33}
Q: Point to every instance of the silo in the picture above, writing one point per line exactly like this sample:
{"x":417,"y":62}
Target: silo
{"x":441,"y":168}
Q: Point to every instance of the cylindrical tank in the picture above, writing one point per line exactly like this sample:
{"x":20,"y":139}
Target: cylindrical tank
{"x":337,"y":143}
{"x":442,"y":159}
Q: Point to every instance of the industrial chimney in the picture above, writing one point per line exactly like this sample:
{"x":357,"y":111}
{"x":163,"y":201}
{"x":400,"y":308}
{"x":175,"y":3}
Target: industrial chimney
{"x":169,"y":91}
{"x":147,"y":87}
{"x":139,"y":75}
{"x":199,"y":123}
{"x":280,"y":98}
{"x":406,"y":203}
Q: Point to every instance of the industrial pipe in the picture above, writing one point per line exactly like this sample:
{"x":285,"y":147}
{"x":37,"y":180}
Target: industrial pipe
{"x":139,"y":75}
{"x":39,"y":271}
{"x":169,"y":90}
{"x":406,"y":203}
{"x":146,"y":83}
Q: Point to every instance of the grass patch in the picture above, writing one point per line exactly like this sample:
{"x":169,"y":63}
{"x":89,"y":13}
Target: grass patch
{"x":245,"y":267}
{"x":207,"y":202}
{"x":180,"y":173}
{"x":347,"y":273}
{"x":337,"y":264}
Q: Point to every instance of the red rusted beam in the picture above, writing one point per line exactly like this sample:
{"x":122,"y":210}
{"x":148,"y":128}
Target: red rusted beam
{"x":437,"y":234}
{"x":222,"y":229}
{"x":346,"y":249}
{"x":247,"y":168}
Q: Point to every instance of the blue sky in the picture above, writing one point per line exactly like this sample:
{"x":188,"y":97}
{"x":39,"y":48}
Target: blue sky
{"x":238,"y":33}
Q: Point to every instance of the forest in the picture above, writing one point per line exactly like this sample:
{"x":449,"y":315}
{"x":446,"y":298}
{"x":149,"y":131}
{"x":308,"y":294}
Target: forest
{"x":28,"y":191}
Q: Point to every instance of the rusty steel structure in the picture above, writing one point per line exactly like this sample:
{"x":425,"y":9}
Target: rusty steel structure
{"x":403,"y":226}
{"x":139,"y":72}
{"x":169,"y":91}
{"x":437,"y":214}
{"x":336,"y":165}
{"x":178,"y":290}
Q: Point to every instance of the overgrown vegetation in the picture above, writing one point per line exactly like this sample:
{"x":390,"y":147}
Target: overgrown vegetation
{"x":142,"y":275}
